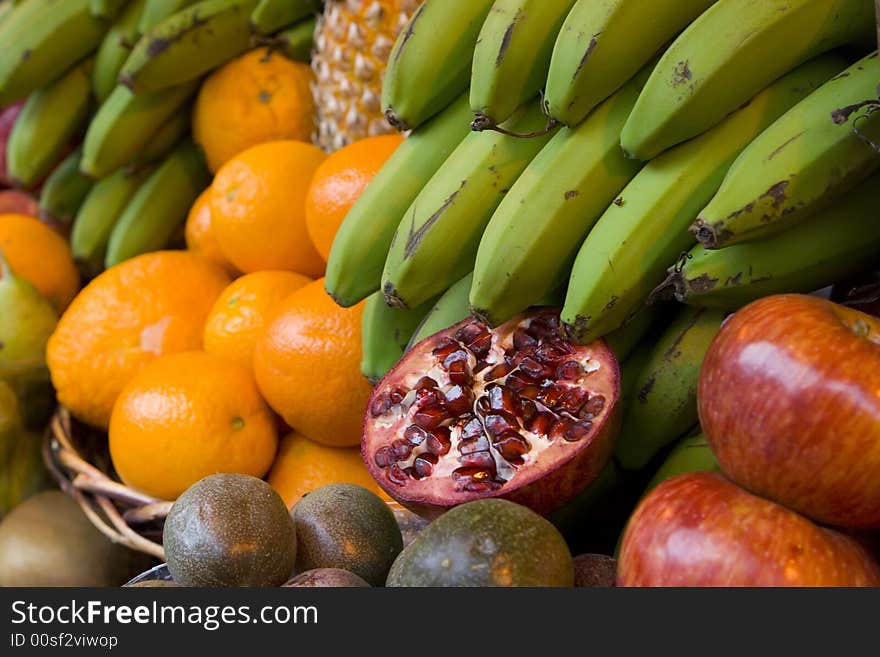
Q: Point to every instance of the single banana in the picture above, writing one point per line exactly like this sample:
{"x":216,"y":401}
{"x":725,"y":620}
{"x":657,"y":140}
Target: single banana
{"x":664,"y":401}
{"x":115,"y":49}
{"x":159,"y":206}
{"x":838,"y":241}
{"x":512,"y":56}
{"x":732,"y":51}
{"x":627,"y":339}
{"x":48,"y":122}
{"x":6,"y":8}
{"x":188,"y":44}
{"x":626,"y":254}
{"x":125,"y":123}
{"x":802,"y":161}
{"x":106,"y":8}
{"x":273,"y":15}
{"x":437,"y":239}
{"x":691,"y":454}
{"x":357,"y":257}
{"x":156,"y":11}
{"x":98,"y":214}
{"x":41,"y":39}
{"x":65,"y":189}
{"x":296,"y":42}
{"x":528,"y":246}
{"x":165,"y":138}
{"x":450,"y":308}
{"x":385,"y":332}
{"x":603,"y":43}
{"x":430,"y":64}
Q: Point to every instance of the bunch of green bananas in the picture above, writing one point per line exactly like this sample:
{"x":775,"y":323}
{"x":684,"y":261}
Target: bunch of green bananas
{"x":117,"y":77}
{"x":616,"y":153}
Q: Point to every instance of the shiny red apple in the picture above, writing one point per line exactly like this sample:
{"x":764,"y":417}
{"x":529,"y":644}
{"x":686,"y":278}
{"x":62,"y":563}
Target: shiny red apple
{"x":700,"y":529}
{"x":789,"y":400}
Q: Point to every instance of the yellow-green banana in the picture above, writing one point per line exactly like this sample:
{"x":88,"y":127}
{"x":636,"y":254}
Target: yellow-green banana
{"x":385,"y":332}
{"x":160,"y":205}
{"x":41,"y":39}
{"x":430,"y":64}
{"x":115,"y":49}
{"x":625,"y":340}
{"x":512,"y":56}
{"x":164,"y":139}
{"x":65,"y":189}
{"x":450,"y":308}
{"x":156,"y":11}
{"x":664,"y":401}
{"x":802,"y":161}
{"x":98,"y":214}
{"x":125,"y":123}
{"x":49,"y":120}
{"x":836,"y":242}
{"x":527,"y":248}
{"x":357,"y":257}
{"x":691,"y":454}
{"x":296,"y":42}
{"x":603,"y":43}
{"x":437,"y":239}
{"x":189,"y":43}
{"x":106,"y":8}
{"x":732,"y":51}
{"x":269,"y":16}
{"x":627,"y":252}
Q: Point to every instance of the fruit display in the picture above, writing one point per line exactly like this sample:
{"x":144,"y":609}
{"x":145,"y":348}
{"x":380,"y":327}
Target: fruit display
{"x":439,"y":293}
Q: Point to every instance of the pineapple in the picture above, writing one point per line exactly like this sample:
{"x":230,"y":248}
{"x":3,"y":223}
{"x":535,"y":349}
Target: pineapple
{"x":353,"y":40}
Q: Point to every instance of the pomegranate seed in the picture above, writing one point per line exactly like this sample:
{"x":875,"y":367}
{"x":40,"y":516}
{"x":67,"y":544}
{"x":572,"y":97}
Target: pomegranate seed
{"x":415,"y":435}
{"x":479,"y":460}
{"x":497,"y":424}
{"x":483,"y":405}
{"x":502,"y":399}
{"x":559,"y":429}
{"x":560,"y":345}
{"x":528,"y":410}
{"x":573,"y":400}
{"x":551,"y":395}
{"x":380,"y":405}
{"x":481,"y":345}
{"x":594,"y":406}
{"x":396,"y":475}
{"x":459,"y":400}
{"x":475,"y":472}
{"x":402,"y":449}
{"x":439,"y":442}
{"x":541,"y":329}
{"x":522,"y":341}
{"x":519,"y":380}
{"x":541,"y":424}
{"x":480,"y":366}
{"x":476,"y":337}
{"x":425,"y":396}
{"x":445,"y":347}
{"x":472,"y":429}
{"x":533,"y":368}
{"x":429,"y":417}
{"x":513,"y":447}
{"x":548,"y":354}
{"x":472,"y":445}
{"x":454,"y":357}
{"x":460,"y":373}
{"x":422,"y":467}
{"x":479,"y":486}
{"x":397,"y":395}
{"x":384,"y":457}
{"x":530,"y":392}
{"x":577,"y":431}
{"x":570,"y":370}
{"x":425,"y":382}
{"x":497,"y":372}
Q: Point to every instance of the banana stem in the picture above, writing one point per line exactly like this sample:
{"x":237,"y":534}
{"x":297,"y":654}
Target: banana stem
{"x":674,"y":286}
{"x":552,"y":124}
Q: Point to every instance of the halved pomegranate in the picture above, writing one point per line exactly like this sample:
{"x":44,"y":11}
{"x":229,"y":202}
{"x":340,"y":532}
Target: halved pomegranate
{"x":517,"y":412}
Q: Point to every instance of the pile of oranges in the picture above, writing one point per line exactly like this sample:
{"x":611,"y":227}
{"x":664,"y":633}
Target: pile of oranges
{"x":228,"y":356}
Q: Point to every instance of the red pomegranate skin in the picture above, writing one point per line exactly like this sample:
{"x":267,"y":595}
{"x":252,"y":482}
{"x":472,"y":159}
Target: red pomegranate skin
{"x":789,"y":400}
{"x":13,"y":201}
{"x":699,"y":529}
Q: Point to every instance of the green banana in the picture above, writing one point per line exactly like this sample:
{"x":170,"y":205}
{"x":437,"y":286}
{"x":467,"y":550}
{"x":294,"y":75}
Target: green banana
{"x":164,"y":139}
{"x":529,"y":244}
{"x":691,"y":454}
{"x":24,"y":473}
{"x":65,"y":189}
{"x":603,"y":43}
{"x":627,"y":252}
{"x":436,"y":241}
{"x":106,"y":8}
{"x":273,"y":15}
{"x":836,"y":242}
{"x":6,"y":8}
{"x":450,"y":308}
{"x":735,"y":49}
{"x":357,"y":257}
{"x":125,"y":123}
{"x":115,"y":49}
{"x":41,"y":38}
{"x":48,"y":122}
{"x":385,"y":332}
{"x":664,"y":405}
{"x":804,"y":160}
{"x":626,"y":339}
{"x":98,"y":214}
{"x":156,"y":11}
{"x":297,"y":42}
{"x":160,"y":205}
{"x":430,"y":63}
{"x":512,"y":56}
{"x":188,"y":44}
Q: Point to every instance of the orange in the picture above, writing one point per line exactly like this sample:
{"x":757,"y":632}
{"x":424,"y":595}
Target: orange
{"x":307,"y":364}
{"x":199,"y":233}
{"x":258,"y":208}
{"x":240,"y":312}
{"x":146,"y":307}
{"x":338,"y":183}
{"x":41,"y":256}
{"x":303,"y":465}
{"x":186,"y":416}
{"x":261,"y":96}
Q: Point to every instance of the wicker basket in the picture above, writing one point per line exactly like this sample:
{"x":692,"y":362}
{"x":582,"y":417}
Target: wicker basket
{"x":77,"y":457}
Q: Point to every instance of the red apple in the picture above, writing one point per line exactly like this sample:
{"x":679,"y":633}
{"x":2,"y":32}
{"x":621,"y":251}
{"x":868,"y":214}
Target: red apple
{"x":789,"y":400}
{"x":13,"y":201}
{"x":699,"y":529}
